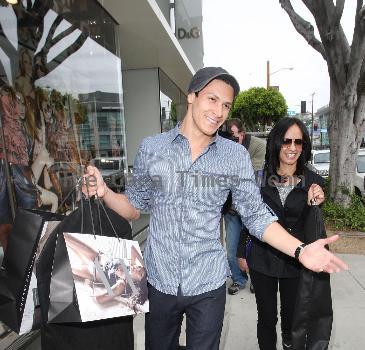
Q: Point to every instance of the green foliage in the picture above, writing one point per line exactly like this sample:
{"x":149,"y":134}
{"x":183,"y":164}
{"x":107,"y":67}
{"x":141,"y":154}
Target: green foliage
{"x":173,"y":112}
{"x":339,"y":217}
{"x":258,"y":106}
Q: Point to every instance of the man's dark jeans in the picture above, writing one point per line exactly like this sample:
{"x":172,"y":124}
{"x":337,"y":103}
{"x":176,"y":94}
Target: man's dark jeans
{"x":204,"y":319}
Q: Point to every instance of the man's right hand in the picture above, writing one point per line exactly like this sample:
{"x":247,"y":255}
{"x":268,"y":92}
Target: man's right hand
{"x":93,"y":183}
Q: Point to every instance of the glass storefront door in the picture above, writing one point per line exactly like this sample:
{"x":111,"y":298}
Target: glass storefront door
{"x":61,"y":100}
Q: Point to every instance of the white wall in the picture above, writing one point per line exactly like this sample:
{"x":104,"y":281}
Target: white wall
{"x":142,"y":107}
{"x":164,"y":6}
{"x":189,"y":30}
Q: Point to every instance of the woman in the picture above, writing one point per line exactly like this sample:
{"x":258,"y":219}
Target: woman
{"x":42,"y":161}
{"x":15,"y":151}
{"x":288,"y":186}
{"x":130,"y":290}
{"x":24,"y":81}
{"x":120,"y":287}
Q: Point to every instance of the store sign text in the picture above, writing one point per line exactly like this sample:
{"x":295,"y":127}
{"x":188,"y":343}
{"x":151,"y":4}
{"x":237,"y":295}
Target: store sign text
{"x":193,"y":33}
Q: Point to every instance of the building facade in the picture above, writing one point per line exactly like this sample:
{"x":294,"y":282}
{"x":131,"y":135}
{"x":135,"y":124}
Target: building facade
{"x":86,"y":79}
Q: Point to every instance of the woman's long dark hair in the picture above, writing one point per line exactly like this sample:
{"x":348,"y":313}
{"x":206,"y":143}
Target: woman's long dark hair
{"x":274,"y":144}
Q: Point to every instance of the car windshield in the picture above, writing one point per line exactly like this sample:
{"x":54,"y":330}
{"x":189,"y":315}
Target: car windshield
{"x":361,"y":164}
{"x":107,"y":164}
{"x":322,"y":158}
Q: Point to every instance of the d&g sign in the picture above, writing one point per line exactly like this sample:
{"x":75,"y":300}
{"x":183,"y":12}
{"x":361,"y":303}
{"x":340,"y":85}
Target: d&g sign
{"x":194,"y":33}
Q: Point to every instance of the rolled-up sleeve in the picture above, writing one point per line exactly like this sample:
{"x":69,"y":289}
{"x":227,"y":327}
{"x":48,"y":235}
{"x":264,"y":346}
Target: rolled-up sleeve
{"x":139,"y":185}
{"x":247,"y":200}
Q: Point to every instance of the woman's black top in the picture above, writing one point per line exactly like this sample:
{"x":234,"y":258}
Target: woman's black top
{"x":262,"y":257}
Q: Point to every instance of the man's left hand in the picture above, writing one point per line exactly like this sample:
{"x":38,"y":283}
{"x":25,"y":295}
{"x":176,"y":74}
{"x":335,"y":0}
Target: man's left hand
{"x":317,"y":258}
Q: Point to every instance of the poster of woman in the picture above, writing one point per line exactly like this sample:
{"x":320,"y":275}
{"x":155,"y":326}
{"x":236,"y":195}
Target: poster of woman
{"x":109,"y":275}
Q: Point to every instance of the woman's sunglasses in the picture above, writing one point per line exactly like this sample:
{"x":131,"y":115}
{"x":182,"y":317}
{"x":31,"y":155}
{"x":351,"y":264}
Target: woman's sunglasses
{"x":289,"y":142}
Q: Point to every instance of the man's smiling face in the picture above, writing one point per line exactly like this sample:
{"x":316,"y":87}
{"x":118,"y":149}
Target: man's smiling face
{"x":211,"y":107}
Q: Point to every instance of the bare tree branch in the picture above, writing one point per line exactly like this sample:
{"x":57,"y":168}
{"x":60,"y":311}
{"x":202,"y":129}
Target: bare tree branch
{"x":359,"y":113}
{"x":340,"y":4}
{"x":358,"y":6}
{"x":33,"y":17}
{"x":303,"y":27}
{"x":51,"y":41}
{"x":7,"y":46}
{"x":9,"y":50}
{"x":346,"y":66}
{"x":53,"y":28}
{"x":62,"y":35}
{"x":356,"y":62}
{"x":41,"y":7}
{"x":66,"y":52}
{"x":29,"y":5}
{"x":361,"y":13}
{"x":333,"y":39}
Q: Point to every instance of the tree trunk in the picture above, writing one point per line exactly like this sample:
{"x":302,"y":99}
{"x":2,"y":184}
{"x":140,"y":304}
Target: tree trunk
{"x":345,"y":139}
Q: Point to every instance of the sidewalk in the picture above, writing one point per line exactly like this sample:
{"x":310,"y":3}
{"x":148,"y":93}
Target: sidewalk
{"x":239,"y":329}
{"x":348,"y":294}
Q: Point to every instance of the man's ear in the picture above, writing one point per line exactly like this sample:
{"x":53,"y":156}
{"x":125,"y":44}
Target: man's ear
{"x":191,"y":97}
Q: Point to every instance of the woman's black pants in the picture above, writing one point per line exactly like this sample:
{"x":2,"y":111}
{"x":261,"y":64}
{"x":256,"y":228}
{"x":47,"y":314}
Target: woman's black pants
{"x":266,"y":288}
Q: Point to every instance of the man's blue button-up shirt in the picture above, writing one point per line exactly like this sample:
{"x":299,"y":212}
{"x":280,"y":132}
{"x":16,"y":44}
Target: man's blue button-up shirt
{"x":185,"y":199}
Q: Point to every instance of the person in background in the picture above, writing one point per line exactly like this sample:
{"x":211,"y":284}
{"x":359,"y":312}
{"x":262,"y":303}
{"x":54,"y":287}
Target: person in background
{"x":24,"y":81}
{"x":233,"y":225}
{"x":182,"y":178}
{"x":14,"y":154}
{"x":287,"y":188}
{"x":256,"y":147}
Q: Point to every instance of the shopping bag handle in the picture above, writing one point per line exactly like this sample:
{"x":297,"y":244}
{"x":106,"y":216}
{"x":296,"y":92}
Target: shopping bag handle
{"x":313,"y":201}
{"x":99,"y":203}
{"x":75,"y":188}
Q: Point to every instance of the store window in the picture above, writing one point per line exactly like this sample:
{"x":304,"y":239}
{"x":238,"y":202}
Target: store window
{"x":172,"y":103}
{"x":61,"y":99}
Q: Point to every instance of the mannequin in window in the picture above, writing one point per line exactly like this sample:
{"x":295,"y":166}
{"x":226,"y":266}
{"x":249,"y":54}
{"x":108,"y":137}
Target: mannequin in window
{"x":15,"y":147}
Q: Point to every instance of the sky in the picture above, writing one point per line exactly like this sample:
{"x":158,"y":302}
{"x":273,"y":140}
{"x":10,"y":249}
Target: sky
{"x":242,"y":35}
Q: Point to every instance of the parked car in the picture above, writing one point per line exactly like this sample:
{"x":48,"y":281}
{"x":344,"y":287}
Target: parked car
{"x":112,"y":170}
{"x":320,"y":163}
{"x":359,"y":179}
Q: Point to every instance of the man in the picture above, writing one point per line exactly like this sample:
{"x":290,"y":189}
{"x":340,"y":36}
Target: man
{"x":255,"y":146}
{"x":233,"y":225}
{"x":182,"y":177}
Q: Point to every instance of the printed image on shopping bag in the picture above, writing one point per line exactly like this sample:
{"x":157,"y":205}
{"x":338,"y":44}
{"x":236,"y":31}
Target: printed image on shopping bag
{"x":109,"y":276}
